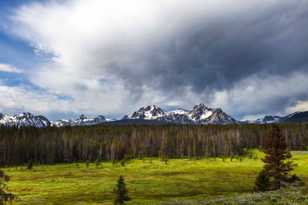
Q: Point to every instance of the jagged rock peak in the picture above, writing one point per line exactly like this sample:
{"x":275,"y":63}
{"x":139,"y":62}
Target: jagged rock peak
{"x":200,"y":112}
{"x":25,"y":119}
{"x":82,"y":117}
{"x":201,"y":106}
{"x":81,"y":121}
{"x":148,"y":112}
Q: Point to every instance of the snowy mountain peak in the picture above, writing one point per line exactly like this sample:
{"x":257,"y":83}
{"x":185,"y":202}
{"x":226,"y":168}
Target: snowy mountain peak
{"x":201,"y":106}
{"x":24,"y":115}
{"x":219,"y":117}
{"x":179,"y":111}
{"x":25,"y":119}
{"x":81,"y":121}
{"x":200,"y":114}
{"x":297,"y":117}
{"x":205,"y":115}
{"x":82,"y":117}
{"x":150,"y":112}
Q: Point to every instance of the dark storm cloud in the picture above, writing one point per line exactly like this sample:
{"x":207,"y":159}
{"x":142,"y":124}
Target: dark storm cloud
{"x":219,"y":53}
{"x":212,"y":55}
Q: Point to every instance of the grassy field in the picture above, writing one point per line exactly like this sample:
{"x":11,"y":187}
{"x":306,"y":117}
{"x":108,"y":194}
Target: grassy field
{"x":149,"y":181}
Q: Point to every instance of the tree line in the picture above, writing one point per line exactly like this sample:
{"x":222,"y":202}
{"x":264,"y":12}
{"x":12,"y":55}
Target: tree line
{"x":117,"y":142}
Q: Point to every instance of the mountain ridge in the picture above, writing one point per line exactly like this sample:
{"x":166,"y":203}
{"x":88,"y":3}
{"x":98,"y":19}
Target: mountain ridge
{"x":200,"y":114}
{"x":24,"y":120}
{"x":152,"y":114}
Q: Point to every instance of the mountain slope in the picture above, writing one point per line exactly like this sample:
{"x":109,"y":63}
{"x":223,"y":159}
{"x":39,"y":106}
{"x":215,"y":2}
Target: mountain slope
{"x":23,"y":120}
{"x":81,"y":121}
{"x":296,"y":117}
{"x":150,"y":112}
{"x":205,"y":115}
{"x":200,"y":114}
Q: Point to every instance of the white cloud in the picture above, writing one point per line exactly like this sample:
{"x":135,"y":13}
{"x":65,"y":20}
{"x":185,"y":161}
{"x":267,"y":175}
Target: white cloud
{"x":18,"y":98}
{"x":261,"y":95}
{"x":299,"y":106}
{"x":88,"y":38}
{"x":22,"y":98}
{"x":9,"y":68}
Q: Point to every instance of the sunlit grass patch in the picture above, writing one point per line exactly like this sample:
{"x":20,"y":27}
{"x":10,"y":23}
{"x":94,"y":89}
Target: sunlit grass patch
{"x":149,"y":181}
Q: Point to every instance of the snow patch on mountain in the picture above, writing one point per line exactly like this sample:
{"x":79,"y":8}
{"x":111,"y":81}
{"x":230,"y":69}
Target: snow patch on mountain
{"x":178,"y":111}
{"x":151,"y":112}
{"x":81,"y":121}
{"x":23,"y":120}
{"x":200,"y":114}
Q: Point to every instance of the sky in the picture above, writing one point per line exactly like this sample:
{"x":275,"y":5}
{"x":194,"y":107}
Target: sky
{"x":63,"y":58}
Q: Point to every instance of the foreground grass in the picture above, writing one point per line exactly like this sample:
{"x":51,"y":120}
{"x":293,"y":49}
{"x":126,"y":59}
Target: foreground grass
{"x":289,"y":196}
{"x":149,"y":181}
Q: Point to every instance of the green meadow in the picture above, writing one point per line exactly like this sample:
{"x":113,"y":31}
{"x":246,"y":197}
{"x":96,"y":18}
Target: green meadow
{"x":151,"y":181}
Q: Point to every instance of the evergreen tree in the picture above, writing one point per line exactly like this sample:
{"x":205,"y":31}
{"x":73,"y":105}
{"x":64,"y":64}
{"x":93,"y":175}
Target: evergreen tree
{"x":277,"y":168}
{"x":4,"y":195}
{"x":262,"y":182}
{"x":78,"y":144}
{"x":121,"y":192}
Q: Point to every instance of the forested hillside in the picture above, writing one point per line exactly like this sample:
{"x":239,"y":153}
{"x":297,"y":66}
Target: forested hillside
{"x":115,"y":142}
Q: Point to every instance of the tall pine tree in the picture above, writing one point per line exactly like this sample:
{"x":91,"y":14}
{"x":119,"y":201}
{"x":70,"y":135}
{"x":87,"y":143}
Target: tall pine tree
{"x":278,"y":164}
{"x":121,"y":192}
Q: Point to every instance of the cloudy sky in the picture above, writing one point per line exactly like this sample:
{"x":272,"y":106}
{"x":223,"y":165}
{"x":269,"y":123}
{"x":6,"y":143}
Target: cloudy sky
{"x":62,"y":58}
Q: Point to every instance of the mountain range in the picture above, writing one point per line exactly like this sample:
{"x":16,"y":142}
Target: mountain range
{"x":152,"y":114}
{"x":200,"y":114}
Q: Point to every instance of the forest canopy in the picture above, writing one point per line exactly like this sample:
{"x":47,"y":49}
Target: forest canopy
{"x":116,"y":142}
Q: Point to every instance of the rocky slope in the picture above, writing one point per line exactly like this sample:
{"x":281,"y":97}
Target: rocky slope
{"x":200,"y":114}
{"x":23,"y":120}
{"x":294,"y":117}
{"x":81,"y":121}
{"x":152,"y":114}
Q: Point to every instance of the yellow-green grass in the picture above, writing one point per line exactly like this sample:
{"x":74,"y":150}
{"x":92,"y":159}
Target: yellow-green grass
{"x":149,"y":181}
